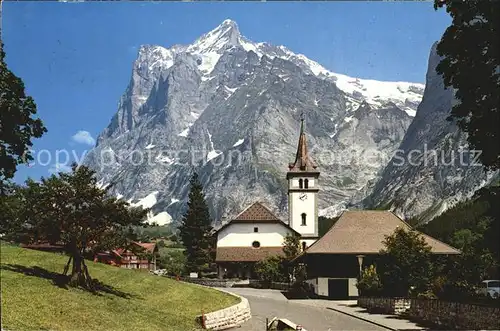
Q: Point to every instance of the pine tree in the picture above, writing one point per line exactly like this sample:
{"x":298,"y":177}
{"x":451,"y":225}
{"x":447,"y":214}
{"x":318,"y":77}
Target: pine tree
{"x":17,"y":125}
{"x":70,"y":209}
{"x":196,"y":229}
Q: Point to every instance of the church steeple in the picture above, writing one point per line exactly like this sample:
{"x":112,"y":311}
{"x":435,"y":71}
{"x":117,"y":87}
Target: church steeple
{"x":303,"y":187}
{"x":303,"y":162}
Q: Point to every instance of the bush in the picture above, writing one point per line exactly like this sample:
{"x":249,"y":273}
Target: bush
{"x":406,"y":267}
{"x":271,"y":269}
{"x":369,"y":282}
{"x":174,"y":261}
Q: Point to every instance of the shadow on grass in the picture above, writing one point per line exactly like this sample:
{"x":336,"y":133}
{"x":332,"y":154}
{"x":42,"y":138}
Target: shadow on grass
{"x":62,"y":281}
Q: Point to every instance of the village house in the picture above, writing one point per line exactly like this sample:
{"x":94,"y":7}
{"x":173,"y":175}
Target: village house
{"x":335,"y":261}
{"x":131,"y":258}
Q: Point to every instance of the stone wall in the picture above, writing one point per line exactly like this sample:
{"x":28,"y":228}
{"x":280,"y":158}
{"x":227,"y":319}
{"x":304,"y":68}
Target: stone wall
{"x":450,"y":315}
{"x":212,"y":282}
{"x":269,"y":285}
{"x":227,"y":318}
{"x":460,"y":316}
{"x":391,"y":306}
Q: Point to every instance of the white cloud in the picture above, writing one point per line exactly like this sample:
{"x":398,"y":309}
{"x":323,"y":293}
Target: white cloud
{"x":83,"y":137}
{"x":59,"y":167}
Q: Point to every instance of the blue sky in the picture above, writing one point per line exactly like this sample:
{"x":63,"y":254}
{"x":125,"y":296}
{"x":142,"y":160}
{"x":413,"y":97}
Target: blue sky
{"x":76,"y":58}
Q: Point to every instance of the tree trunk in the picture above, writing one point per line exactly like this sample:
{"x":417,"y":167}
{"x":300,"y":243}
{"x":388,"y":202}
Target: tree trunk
{"x":79,"y":273}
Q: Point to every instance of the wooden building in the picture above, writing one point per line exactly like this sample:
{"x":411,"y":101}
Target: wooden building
{"x":131,"y":259}
{"x":334,"y":262}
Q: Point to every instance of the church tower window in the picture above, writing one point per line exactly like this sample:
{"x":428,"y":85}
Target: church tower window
{"x":306,"y":183}
{"x":256,"y":244}
{"x":304,"y":219}
{"x":300,"y":183}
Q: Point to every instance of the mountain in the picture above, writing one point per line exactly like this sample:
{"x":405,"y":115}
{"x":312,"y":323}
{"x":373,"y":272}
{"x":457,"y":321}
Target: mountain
{"x":229,"y":108}
{"x":433,"y":169}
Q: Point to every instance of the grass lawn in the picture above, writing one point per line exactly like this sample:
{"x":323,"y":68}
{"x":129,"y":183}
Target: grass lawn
{"x":136,"y":300}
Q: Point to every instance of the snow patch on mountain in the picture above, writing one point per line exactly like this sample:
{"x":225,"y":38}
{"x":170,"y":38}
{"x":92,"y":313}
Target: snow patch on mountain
{"x":162,"y":218}
{"x":213,"y":153}
{"x":173,"y":200}
{"x":239,"y":142}
{"x":146,"y":202}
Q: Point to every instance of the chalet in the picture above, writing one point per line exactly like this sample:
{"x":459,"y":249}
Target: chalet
{"x":131,"y":258}
{"x":335,"y":261}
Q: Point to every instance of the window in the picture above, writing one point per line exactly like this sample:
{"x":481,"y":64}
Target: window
{"x":304,"y":246}
{"x":256,"y":244}
{"x":303,"y":218}
{"x":306,"y":183}
{"x":300,"y":183}
{"x":256,"y":229}
{"x":494,"y":284}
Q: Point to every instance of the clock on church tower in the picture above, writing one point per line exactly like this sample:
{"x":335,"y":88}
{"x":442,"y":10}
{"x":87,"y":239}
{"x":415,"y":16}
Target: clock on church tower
{"x":303,"y":190}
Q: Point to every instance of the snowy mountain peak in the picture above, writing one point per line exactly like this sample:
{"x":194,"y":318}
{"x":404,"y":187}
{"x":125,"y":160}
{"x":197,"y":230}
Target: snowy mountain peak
{"x":227,"y":33}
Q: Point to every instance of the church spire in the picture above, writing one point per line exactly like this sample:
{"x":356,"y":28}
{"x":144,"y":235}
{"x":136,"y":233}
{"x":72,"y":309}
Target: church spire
{"x":303,"y":162}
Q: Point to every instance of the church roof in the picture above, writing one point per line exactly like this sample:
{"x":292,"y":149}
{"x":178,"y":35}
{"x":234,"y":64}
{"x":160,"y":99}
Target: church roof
{"x":246,"y":254}
{"x":303,"y":161}
{"x":257,"y":213}
{"x":363,"y":232}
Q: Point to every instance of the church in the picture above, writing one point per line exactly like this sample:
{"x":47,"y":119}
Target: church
{"x":257,"y":233}
{"x":334,"y":261}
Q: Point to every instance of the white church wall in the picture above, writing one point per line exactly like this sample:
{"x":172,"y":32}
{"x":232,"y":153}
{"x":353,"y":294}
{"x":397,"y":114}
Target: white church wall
{"x":243,"y":235}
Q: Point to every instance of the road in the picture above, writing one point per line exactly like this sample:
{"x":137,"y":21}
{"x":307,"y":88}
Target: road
{"x":269,"y":303}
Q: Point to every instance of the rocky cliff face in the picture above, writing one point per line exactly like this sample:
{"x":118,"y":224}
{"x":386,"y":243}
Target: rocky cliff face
{"x":433,"y":168}
{"x":229,"y":109}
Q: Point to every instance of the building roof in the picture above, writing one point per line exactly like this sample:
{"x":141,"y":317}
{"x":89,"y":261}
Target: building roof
{"x":256,"y":213}
{"x":246,"y":254}
{"x":363,"y":232}
{"x":303,"y":161}
{"x":149,"y":247}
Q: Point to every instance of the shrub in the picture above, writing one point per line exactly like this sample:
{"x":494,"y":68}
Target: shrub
{"x":369,"y":282}
{"x":271,"y":269}
{"x":406,"y":267}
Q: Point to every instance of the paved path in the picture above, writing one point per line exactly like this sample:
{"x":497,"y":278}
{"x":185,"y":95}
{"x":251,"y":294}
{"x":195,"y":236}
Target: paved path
{"x":350,"y":308}
{"x":271,"y":303}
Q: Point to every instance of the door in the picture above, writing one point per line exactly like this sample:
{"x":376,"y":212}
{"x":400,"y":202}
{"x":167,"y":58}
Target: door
{"x":338,"y":289}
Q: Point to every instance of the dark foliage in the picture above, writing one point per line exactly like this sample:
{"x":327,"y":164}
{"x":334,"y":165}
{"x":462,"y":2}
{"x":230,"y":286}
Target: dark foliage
{"x":324,"y":224}
{"x":17,"y":123}
{"x":196,"y":230}
{"x":471,"y":59}
{"x":405,"y":266}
